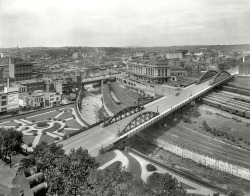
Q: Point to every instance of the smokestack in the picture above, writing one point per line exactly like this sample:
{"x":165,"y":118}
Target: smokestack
{"x":8,"y":82}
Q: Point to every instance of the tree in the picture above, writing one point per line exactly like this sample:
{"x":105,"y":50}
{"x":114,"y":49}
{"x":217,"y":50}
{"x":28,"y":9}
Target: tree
{"x":77,"y":174}
{"x":10,"y":143}
{"x":206,"y":126}
{"x":165,"y":184}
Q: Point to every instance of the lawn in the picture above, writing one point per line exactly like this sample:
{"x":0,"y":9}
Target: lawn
{"x":106,"y":157}
{"x":221,"y":121}
{"x":27,"y":139}
{"x":73,"y":124}
{"x":44,"y":116}
{"x":55,"y":127}
{"x":9,"y":124}
{"x":134,"y":166}
{"x":46,"y":138}
{"x":65,"y":115}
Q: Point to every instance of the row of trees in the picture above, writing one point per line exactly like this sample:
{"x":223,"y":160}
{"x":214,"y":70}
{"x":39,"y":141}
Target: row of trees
{"x":10,"y":143}
{"x":77,"y":174}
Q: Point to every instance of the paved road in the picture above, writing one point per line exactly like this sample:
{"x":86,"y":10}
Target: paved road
{"x":93,"y":138}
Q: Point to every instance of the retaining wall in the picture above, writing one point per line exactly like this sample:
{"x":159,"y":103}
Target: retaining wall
{"x":104,"y":104}
{"x":199,"y":158}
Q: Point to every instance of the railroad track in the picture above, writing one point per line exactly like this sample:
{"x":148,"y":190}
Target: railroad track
{"x":204,"y":144}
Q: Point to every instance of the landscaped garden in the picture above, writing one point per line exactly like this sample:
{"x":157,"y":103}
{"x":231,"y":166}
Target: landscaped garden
{"x":49,"y":126}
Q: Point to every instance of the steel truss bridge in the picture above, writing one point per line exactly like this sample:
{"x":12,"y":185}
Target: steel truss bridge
{"x":126,"y":124}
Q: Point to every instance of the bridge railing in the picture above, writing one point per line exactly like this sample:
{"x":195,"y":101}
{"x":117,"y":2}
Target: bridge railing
{"x":153,"y":120}
{"x":169,"y":111}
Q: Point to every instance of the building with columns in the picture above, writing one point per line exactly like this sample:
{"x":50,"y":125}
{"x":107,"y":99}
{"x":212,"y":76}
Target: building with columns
{"x":149,"y":71}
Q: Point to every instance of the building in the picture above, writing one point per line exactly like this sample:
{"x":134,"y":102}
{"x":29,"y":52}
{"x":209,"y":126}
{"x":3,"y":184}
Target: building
{"x":52,"y":98}
{"x":3,"y":102}
{"x":176,"y":54}
{"x":49,"y":85}
{"x":149,"y":71}
{"x":5,"y":54}
{"x":32,"y":185}
{"x":138,"y":54}
{"x":9,"y":99}
{"x":4,"y":72}
{"x":244,"y":68}
{"x":32,"y":85}
{"x":32,"y":100}
{"x":19,"y":69}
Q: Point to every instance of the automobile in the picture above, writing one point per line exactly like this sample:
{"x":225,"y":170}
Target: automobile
{"x":14,"y":112}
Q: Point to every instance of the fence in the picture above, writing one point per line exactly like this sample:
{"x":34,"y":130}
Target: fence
{"x":199,"y":158}
{"x":184,"y":175}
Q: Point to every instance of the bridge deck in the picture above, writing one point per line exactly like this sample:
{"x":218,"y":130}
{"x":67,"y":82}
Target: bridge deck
{"x":93,"y":138}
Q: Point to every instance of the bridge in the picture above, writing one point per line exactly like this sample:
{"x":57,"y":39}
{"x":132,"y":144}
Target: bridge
{"x":96,"y":79}
{"x":118,"y":131}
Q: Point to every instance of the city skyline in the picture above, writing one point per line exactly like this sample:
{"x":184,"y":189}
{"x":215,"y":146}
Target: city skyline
{"x":123,"y":23}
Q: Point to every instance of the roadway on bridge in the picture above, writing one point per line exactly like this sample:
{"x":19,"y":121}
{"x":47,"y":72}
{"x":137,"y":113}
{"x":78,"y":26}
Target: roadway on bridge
{"x":93,"y":138}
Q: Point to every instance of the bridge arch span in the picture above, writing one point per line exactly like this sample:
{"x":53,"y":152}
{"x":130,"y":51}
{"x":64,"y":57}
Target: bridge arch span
{"x":136,"y":121}
{"x":123,"y":114}
{"x":220,"y":76}
{"x":207,"y":75}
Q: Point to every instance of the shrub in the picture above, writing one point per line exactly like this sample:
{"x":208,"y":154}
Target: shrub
{"x":35,"y":134}
{"x":30,"y":145}
{"x":54,"y":119}
{"x":64,"y":121}
{"x":186,"y":119}
{"x":57,"y":138}
{"x":42,"y":124}
{"x":150,"y":167}
{"x":44,"y":132}
{"x":240,"y":139}
{"x":59,"y":119}
{"x":19,"y":124}
{"x":66,"y":126}
{"x":60,"y":130}
{"x":33,"y":121}
{"x":49,"y":118}
{"x":26,"y":128}
{"x":17,"y":127}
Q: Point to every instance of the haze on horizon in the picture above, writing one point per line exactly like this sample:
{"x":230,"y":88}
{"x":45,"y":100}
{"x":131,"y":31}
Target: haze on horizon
{"x":123,"y":23}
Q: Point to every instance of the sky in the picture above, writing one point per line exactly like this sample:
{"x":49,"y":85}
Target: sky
{"x":123,"y":23}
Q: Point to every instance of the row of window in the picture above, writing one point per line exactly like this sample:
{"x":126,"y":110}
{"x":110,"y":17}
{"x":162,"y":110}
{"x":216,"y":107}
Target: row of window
{"x":4,"y":103}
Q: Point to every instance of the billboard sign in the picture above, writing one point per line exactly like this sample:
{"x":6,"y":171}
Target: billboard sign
{"x":13,"y":99}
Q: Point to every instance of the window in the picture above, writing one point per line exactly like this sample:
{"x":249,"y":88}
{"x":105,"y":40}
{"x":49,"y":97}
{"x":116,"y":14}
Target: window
{"x":3,"y":97}
{"x":4,"y":102}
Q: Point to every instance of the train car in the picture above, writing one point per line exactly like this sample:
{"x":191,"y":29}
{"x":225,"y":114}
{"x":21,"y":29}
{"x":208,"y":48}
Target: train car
{"x":211,"y":103}
{"x":216,"y":99}
{"x":228,"y":108}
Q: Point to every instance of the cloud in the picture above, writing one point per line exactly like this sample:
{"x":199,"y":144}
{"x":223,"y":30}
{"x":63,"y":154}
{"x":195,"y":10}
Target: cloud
{"x":123,"y":22}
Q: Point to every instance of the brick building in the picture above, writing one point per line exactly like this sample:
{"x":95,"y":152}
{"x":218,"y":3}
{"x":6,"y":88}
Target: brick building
{"x":19,"y":69}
